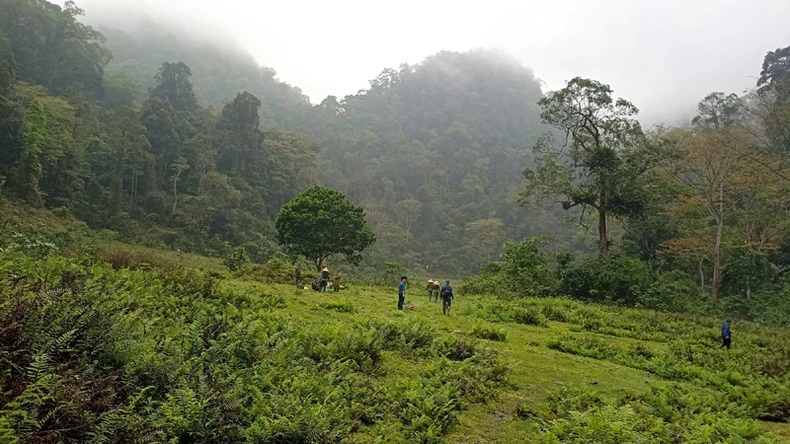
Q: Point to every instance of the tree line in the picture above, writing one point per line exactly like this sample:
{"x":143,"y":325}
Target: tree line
{"x":701,"y":210}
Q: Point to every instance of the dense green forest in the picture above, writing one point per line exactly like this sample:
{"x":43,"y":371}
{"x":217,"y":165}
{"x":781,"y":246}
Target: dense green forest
{"x":434,"y":152}
{"x":170,"y":142}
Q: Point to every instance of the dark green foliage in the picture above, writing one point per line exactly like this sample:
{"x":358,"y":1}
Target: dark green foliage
{"x":26,"y":174}
{"x":613,"y":278}
{"x":151,"y":169}
{"x":52,"y":48}
{"x":523,"y":271}
{"x":673,"y":291}
{"x":602,"y":170}
{"x":174,"y":85}
{"x":746,"y":271}
{"x":321,"y":222}
{"x":236,"y":258}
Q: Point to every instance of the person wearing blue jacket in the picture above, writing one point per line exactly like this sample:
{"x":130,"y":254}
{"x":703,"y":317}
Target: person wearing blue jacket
{"x":402,"y":291}
{"x":726,"y":335}
{"x":447,"y":297}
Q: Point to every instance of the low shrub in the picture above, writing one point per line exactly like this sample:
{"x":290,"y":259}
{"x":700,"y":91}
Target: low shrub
{"x":344,"y":306}
{"x":275,"y":271}
{"x":490,"y":332}
{"x":454,"y":347}
{"x":671,"y":414}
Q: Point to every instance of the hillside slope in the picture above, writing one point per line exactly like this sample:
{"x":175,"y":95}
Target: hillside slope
{"x":181,"y":355}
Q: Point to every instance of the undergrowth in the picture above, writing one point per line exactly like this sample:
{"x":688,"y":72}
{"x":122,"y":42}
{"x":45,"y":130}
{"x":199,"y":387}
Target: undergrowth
{"x":90,"y":353}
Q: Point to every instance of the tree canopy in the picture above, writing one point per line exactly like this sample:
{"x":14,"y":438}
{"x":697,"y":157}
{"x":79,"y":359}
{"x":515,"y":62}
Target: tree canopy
{"x":596,"y":167}
{"x":321,"y":222}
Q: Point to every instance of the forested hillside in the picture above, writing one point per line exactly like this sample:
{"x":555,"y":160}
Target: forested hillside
{"x":173,"y":142}
{"x":158,"y":168}
{"x":218,"y":72}
{"x":435,"y":153}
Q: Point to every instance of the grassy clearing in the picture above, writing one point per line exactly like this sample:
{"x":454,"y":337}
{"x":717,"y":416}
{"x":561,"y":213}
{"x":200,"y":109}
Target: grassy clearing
{"x":348,"y":367}
{"x":539,"y":369}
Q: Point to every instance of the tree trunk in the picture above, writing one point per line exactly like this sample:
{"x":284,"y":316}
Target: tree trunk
{"x":701,"y":275}
{"x":175,"y":192}
{"x":318,"y":263}
{"x":603,"y":238}
{"x":714,"y":294}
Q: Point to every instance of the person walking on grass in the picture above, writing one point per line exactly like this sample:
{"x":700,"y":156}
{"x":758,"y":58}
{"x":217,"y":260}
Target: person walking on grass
{"x":433,"y":290}
{"x":726,"y":335}
{"x":447,"y":297}
{"x":298,"y":273}
{"x":402,"y":291}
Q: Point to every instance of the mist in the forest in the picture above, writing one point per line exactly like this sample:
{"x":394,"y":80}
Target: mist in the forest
{"x":662,"y":56}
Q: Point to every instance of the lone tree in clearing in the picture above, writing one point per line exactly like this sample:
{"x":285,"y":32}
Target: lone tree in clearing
{"x":321,"y":222}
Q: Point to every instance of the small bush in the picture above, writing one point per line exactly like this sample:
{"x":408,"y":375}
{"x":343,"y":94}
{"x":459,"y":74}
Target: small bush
{"x":454,"y":347}
{"x":236,"y":258}
{"x":275,"y":271}
{"x":529,"y":316}
{"x":404,"y":334}
{"x":490,"y":332}
{"x":341,"y":306}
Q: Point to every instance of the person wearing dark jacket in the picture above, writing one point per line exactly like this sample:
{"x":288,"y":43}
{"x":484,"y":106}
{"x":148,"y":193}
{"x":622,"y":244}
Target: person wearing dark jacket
{"x":447,"y":297}
{"x":726,"y":335}
{"x":324,"y":279}
{"x":402,"y":291}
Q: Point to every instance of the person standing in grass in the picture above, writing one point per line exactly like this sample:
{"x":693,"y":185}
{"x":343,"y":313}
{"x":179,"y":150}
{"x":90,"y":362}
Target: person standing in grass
{"x":402,"y":291}
{"x":447,"y":297}
{"x":437,"y":288}
{"x":726,"y":335}
{"x":324,"y":279}
{"x":336,"y":282}
{"x":298,"y":273}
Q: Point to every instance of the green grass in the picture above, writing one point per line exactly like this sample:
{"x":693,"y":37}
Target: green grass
{"x":355,"y":341}
{"x":537,"y":371}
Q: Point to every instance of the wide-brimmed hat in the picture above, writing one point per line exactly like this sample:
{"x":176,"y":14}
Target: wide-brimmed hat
{"x":430,"y":281}
{"x":325,"y":269}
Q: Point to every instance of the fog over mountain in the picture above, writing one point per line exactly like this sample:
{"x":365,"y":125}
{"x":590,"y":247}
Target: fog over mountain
{"x":663,"y":56}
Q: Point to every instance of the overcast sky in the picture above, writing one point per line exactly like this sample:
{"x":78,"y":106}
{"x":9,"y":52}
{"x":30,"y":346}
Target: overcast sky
{"x":663,"y":55}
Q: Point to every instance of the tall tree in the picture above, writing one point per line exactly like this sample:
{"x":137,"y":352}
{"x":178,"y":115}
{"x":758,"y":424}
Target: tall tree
{"x":239,"y":134}
{"x":174,"y":85}
{"x":595,"y":168}
{"x":12,"y":119}
{"x":714,"y":158}
{"x":774,"y":100}
{"x":28,"y":169}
